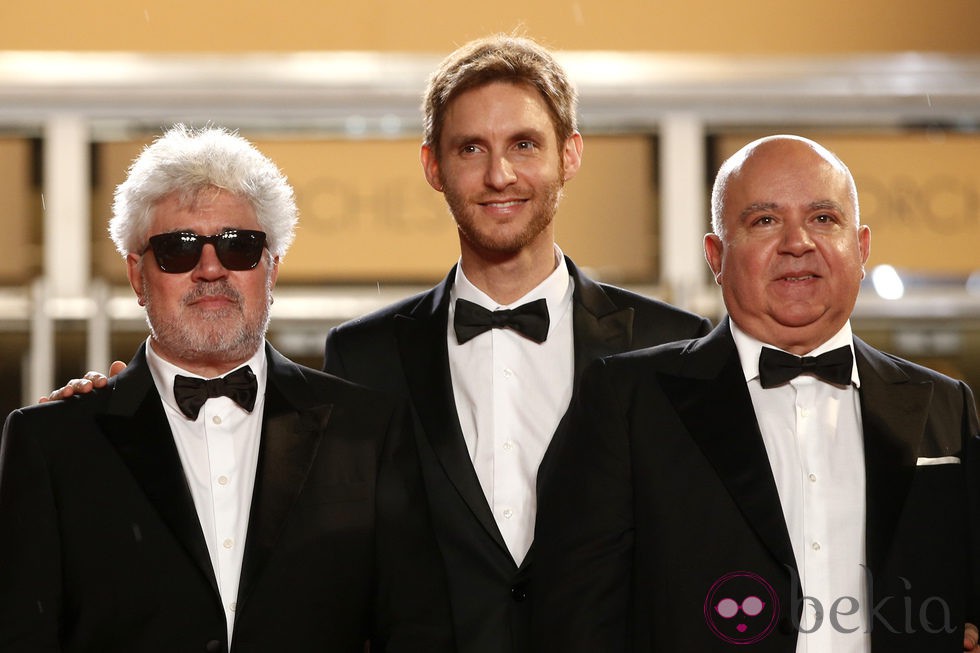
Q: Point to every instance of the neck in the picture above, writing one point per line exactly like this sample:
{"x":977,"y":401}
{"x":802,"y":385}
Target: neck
{"x":207,"y":367}
{"x":798,"y":341}
{"x":505,"y":279}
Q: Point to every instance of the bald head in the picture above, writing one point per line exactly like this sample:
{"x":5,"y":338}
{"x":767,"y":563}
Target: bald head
{"x":777,"y":147}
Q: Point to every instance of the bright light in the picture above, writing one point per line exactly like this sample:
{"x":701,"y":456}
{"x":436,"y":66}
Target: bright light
{"x":887,"y":283}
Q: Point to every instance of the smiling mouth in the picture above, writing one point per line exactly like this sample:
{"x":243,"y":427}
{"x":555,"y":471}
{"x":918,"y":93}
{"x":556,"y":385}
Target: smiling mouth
{"x":503,"y":205}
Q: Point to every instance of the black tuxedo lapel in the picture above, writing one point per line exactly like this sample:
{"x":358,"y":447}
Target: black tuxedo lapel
{"x":421,"y":335}
{"x":600,"y":328}
{"x":893,"y":413}
{"x":137,"y":427}
{"x":291,"y":434}
{"x":713,"y":401}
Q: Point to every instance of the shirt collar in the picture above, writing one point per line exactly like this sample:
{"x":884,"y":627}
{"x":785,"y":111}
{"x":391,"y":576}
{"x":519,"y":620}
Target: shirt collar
{"x":163,"y":373}
{"x":749,"y":349}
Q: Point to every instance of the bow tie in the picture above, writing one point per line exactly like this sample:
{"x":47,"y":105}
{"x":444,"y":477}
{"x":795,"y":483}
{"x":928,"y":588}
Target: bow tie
{"x":777,"y":367}
{"x":529,"y":319}
{"x":191,"y":393}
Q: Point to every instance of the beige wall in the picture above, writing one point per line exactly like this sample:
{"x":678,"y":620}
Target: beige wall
{"x":19,"y":213}
{"x":366,"y":208}
{"x":725,"y":26}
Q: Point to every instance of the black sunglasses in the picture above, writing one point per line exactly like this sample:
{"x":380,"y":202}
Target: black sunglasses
{"x":179,"y":251}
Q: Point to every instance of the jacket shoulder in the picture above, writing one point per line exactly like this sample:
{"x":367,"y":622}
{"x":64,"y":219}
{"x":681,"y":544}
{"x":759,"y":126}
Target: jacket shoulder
{"x":380,"y":319}
{"x":655,"y":321}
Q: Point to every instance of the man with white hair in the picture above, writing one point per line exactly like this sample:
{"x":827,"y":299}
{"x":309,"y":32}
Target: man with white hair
{"x":214,"y":496}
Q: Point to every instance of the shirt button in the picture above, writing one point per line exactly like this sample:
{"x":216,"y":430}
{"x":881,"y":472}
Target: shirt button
{"x":228,"y":543}
{"x":222,"y":480}
{"x":508,"y":513}
{"x":508,"y":445}
{"x":216,"y":419}
{"x":233,"y":606}
{"x":508,"y":373}
{"x":813,"y":478}
{"x":804,"y":412}
{"x":815,"y":546}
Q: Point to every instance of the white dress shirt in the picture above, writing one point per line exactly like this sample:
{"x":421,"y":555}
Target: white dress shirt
{"x":814,"y":439}
{"x":219,"y":452}
{"x":511,"y":393}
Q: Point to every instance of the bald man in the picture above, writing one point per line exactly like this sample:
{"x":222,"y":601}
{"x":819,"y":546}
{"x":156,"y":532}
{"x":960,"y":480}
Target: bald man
{"x":777,"y":483}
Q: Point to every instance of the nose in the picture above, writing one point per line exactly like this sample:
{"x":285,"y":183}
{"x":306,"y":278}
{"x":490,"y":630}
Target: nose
{"x":500,"y":173}
{"x":796,"y":239}
{"x":209,"y":267}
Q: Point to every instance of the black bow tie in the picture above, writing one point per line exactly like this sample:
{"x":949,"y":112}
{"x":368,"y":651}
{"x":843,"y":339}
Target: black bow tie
{"x":191,"y":393}
{"x":777,"y":367}
{"x":529,"y":319}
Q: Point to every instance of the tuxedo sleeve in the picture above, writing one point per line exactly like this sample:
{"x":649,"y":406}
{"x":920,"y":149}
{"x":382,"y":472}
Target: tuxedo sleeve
{"x":412,"y":613}
{"x":30,"y":571}
{"x":584,"y":533}
{"x":971,"y":433}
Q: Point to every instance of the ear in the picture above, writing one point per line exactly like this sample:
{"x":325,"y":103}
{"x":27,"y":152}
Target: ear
{"x":430,"y":167}
{"x":134,"y":272}
{"x":274,"y":272}
{"x":713,"y":250}
{"x":572,"y":155}
{"x":864,"y":242}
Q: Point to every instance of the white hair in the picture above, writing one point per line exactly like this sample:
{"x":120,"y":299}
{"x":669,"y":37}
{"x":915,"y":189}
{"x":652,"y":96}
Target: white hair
{"x":186,"y":161}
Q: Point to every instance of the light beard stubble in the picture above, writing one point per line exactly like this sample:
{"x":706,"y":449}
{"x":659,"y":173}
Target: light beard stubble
{"x":471,"y":230}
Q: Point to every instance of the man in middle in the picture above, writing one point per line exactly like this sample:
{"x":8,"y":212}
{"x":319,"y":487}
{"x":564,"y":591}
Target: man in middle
{"x":490,"y":358}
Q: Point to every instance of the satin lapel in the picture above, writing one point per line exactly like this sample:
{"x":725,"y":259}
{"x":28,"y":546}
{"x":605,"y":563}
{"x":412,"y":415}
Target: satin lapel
{"x":137,"y":427}
{"x":291,"y":435}
{"x":422,"y":344}
{"x":717,"y":411}
{"x":599,"y":328}
{"x":893,"y":414}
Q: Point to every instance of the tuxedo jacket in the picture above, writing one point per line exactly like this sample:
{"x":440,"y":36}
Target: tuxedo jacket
{"x":666,"y":494}
{"x":403,"y":349}
{"x":101,"y":548}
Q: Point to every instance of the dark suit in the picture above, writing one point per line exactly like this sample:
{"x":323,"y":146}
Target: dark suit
{"x":403,"y":349}
{"x":102,"y":550}
{"x":667,"y":487}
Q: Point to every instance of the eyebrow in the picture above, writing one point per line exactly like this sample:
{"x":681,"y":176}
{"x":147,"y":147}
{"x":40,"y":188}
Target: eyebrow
{"x":820,"y":205}
{"x":827,"y":204}
{"x":520,"y":135}
{"x":757,"y":207}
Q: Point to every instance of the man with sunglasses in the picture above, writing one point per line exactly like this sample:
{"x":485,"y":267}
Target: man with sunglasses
{"x":214,"y":496}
